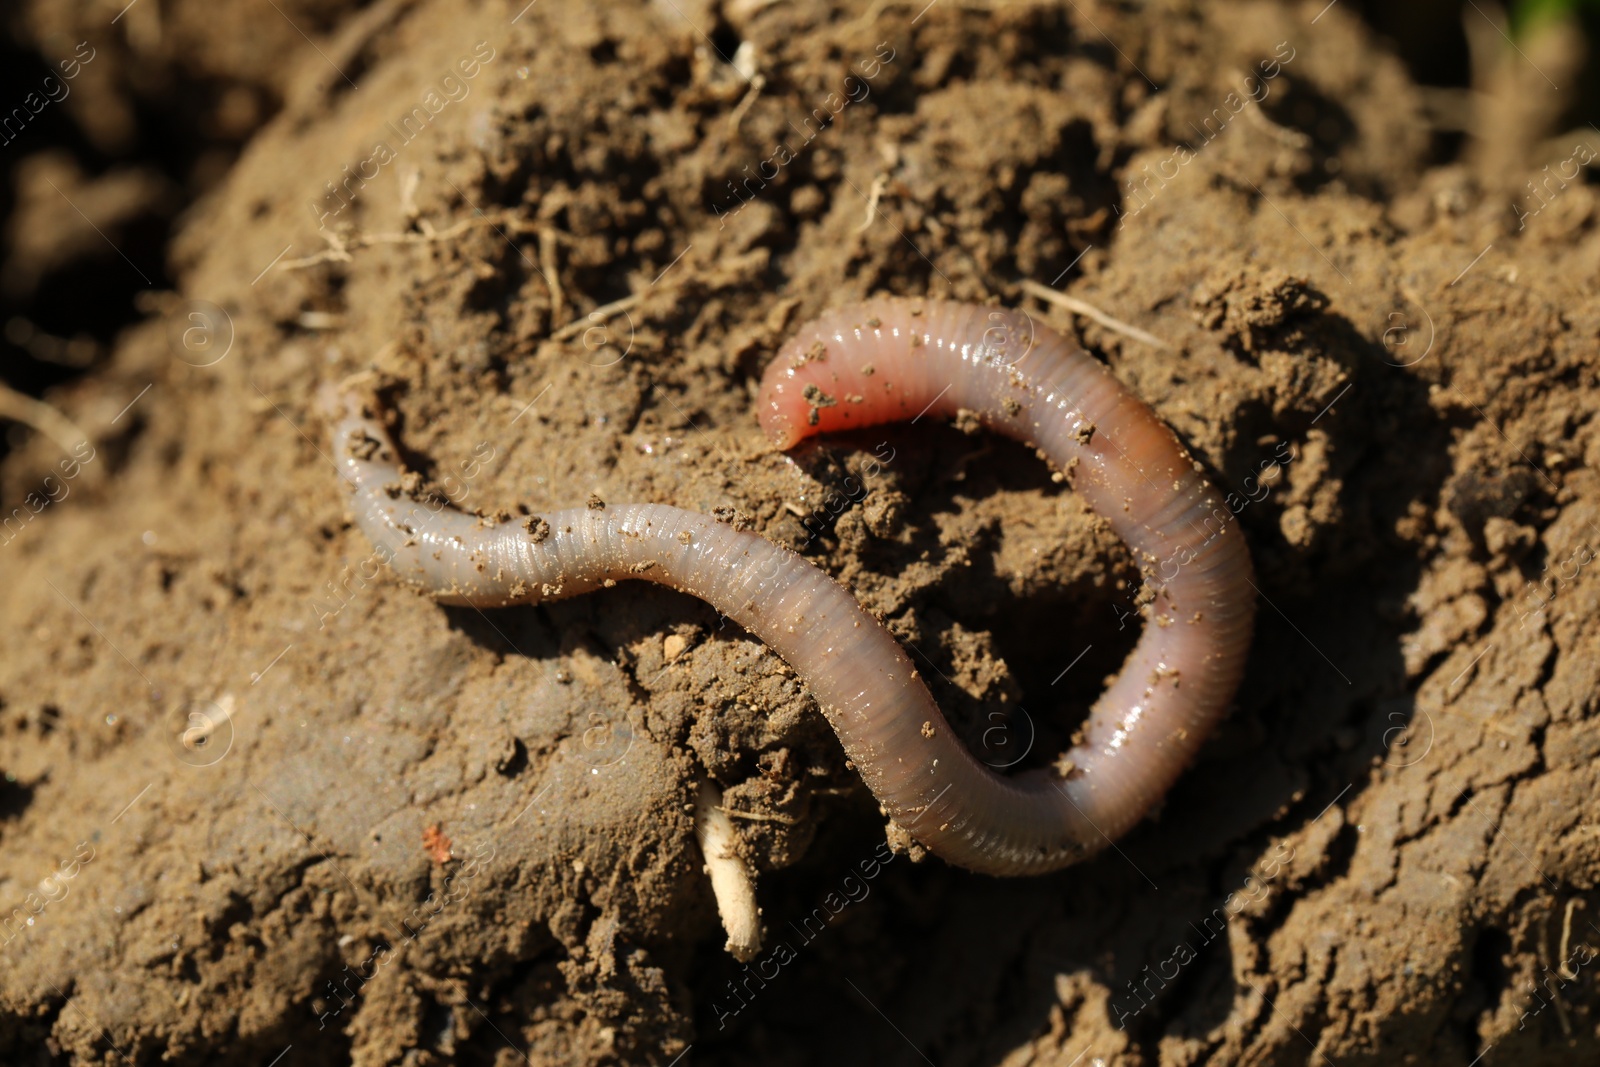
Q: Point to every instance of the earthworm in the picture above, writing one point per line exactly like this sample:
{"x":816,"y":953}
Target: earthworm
{"x":881,"y":361}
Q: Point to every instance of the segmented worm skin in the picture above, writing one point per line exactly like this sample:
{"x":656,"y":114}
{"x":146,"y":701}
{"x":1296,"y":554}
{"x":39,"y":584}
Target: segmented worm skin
{"x":887,"y":360}
{"x":877,"y":362}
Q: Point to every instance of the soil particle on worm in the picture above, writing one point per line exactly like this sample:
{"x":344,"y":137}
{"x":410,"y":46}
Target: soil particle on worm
{"x":1388,"y":852}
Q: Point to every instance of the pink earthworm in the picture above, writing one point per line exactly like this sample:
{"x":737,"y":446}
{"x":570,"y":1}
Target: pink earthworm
{"x":882,"y":361}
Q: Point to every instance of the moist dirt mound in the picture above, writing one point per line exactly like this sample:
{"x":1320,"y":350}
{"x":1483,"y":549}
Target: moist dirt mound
{"x":258,"y":800}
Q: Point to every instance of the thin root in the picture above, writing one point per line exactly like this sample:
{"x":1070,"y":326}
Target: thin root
{"x":595,"y":317}
{"x":1565,"y":968}
{"x":410,"y":182}
{"x":552,"y":273}
{"x":1282,"y":134}
{"x":879,"y":184}
{"x":340,"y":247}
{"x":759,"y":816}
{"x":40,"y":416}
{"x":757,"y":83}
{"x":1089,"y":311}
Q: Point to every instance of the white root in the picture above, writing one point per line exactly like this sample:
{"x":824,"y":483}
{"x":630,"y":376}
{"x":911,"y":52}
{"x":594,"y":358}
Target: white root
{"x":18,"y":407}
{"x":1089,"y":311}
{"x":732,"y":881}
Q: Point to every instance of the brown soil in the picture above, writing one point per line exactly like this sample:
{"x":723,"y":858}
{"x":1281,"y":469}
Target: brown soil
{"x":425,"y":835}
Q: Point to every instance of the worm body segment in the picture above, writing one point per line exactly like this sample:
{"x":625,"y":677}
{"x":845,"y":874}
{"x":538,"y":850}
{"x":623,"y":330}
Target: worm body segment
{"x":877,"y":362}
{"x":891,"y":359}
